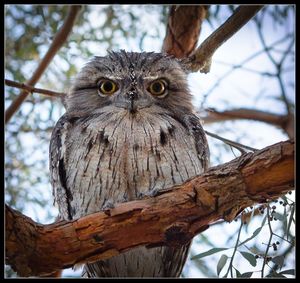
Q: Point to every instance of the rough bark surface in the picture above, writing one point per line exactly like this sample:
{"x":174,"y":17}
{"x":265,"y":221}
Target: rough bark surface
{"x":183,"y":29}
{"x":172,"y":217}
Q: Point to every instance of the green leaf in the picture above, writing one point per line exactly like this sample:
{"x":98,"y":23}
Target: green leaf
{"x":250,"y":257}
{"x":288,"y":271}
{"x":290,"y":220}
{"x":209,"y":252}
{"x":255,"y":233}
{"x":278,"y":216}
{"x":278,"y":260}
{"x":221,"y":263}
{"x":284,"y":198}
{"x":247,"y":275}
{"x":264,"y":221}
{"x":274,"y":274}
{"x":238,"y":274}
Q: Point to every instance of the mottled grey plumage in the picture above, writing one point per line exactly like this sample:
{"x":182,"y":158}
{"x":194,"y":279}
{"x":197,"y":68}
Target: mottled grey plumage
{"x":116,"y":148}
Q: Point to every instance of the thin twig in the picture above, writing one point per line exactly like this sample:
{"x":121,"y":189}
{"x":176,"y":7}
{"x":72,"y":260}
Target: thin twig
{"x":276,"y":65}
{"x":280,"y":81}
{"x":236,"y":145}
{"x":269,"y":243}
{"x":235,"y":249}
{"x":284,"y":255}
{"x":235,"y":67}
{"x":290,"y":242}
{"x":57,"y":43}
{"x":200,"y":59}
{"x":243,"y":68}
{"x":261,"y":37}
{"x":287,"y":52}
{"x":32,"y":89}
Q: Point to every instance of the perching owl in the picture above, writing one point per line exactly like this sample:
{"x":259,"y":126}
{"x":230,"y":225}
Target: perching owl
{"x":129,"y":131}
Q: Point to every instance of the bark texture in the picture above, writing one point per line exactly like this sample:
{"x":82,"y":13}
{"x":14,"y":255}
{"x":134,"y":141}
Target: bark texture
{"x":183,"y":29}
{"x":172,"y":217}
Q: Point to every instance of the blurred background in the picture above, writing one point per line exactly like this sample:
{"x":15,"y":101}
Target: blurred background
{"x":253,"y":70}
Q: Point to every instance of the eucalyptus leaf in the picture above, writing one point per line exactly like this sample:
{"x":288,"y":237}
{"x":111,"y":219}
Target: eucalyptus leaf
{"x":221,"y":263}
{"x":255,"y":233}
{"x":250,"y":257}
{"x":238,"y":274}
{"x":278,"y":260}
{"x":288,"y":271}
{"x":247,"y":275}
{"x":209,"y":252}
{"x":290,"y":220}
{"x":278,"y":216}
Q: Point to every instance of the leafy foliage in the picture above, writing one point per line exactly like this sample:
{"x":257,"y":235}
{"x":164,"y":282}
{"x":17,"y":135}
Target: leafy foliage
{"x":260,"y":254}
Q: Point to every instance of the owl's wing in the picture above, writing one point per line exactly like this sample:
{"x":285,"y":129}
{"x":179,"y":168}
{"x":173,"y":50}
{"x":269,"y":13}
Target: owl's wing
{"x":201,"y":144}
{"x":62,"y":196}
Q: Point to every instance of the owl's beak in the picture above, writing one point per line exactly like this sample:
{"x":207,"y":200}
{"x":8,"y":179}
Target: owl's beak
{"x":132,"y":101}
{"x":132,"y":96}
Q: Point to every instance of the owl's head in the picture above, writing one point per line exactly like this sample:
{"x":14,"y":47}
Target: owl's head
{"x":133,"y":82}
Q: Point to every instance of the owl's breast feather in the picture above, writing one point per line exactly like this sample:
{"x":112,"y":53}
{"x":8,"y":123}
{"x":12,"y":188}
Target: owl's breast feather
{"x":121,"y":159}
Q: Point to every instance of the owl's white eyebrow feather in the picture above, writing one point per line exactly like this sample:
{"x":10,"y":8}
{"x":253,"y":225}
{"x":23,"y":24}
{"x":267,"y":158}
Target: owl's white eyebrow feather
{"x":151,"y":77}
{"x":113,"y":77}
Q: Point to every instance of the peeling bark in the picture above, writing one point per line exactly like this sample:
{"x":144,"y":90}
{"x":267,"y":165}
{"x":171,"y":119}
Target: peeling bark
{"x":183,"y":29}
{"x":172,"y":217}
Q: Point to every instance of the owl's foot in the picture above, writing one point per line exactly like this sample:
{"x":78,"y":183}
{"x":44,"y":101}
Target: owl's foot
{"x":108,"y":205}
{"x":152,"y":193}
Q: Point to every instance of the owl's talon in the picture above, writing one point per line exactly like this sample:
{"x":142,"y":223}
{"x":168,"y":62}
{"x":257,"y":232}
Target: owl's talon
{"x":108,"y":205}
{"x":152,"y":193}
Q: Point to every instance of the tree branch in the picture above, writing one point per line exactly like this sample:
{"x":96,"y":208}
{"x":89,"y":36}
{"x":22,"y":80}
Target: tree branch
{"x":183,"y":29}
{"x":201,"y":57}
{"x":172,"y":217}
{"x":286,"y":122}
{"x":31,"y":89}
{"x":57,"y":43}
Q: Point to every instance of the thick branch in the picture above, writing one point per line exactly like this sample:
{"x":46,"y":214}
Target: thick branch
{"x":183,"y":29}
{"x":32,"y":89}
{"x":201,"y":58}
{"x":286,"y":122}
{"x":57,"y":43}
{"x":172,"y":217}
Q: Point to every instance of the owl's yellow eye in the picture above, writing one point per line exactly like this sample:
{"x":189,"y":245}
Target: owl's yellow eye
{"x":158,"y":87}
{"x":107,"y":87}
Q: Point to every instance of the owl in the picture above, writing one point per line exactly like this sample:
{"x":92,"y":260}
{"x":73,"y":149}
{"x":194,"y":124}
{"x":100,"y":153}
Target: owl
{"x":129,"y":131}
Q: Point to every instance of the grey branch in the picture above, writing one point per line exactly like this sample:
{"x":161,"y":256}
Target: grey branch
{"x":234,"y":144}
{"x":201,"y":57}
{"x":286,"y":122}
{"x":32,"y":89}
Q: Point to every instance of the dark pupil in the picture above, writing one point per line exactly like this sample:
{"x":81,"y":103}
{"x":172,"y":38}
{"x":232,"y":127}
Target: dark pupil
{"x":157,"y":87}
{"x":107,"y":86}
